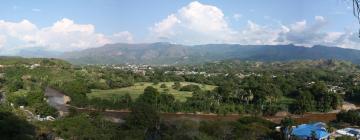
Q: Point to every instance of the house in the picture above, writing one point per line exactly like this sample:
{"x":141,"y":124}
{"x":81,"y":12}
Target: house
{"x":308,"y":131}
{"x":349,"y":132}
{"x":34,"y":66}
{"x":47,"y":118}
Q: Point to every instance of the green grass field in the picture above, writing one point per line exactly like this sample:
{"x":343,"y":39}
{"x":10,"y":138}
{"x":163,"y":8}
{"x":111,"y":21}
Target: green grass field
{"x":138,"y":89}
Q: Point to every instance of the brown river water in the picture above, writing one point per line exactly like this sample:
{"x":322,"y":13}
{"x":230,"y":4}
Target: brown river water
{"x":306,"y":118}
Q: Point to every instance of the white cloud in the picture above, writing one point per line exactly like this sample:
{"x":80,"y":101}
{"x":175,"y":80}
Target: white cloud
{"x":237,"y":17}
{"x":124,"y":36}
{"x":255,"y":34}
{"x":18,"y":30}
{"x":199,"y":23}
{"x":63,"y":35}
{"x":165,"y":28}
{"x":305,"y":34}
{"x":320,"y":19}
{"x":2,"y":40}
{"x":302,"y":33}
{"x":195,"y":23}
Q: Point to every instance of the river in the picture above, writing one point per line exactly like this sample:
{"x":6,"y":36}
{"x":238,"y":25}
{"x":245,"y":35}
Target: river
{"x":59,"y":100}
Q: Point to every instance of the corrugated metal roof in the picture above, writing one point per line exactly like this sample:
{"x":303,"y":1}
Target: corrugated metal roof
{"x":306,"y":130}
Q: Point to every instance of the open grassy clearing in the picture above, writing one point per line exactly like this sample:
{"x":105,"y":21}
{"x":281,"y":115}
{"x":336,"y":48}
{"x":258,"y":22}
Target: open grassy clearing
{"x":138,"y":89}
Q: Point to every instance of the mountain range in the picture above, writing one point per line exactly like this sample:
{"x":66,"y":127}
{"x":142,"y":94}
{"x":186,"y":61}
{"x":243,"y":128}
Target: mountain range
{"x":167,"y":53}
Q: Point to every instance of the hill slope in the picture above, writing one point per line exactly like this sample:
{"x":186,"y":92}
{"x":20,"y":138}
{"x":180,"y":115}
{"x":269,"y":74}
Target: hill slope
{"x":165,"y":53}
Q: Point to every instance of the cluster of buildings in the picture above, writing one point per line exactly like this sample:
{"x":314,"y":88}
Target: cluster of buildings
{"x":184,"y":72}
{"x":352,"y":132}
{"x":47,"y":118}
{"x":318,"y":131}
{"x":139,"y":69}
{"x":31,"y":116}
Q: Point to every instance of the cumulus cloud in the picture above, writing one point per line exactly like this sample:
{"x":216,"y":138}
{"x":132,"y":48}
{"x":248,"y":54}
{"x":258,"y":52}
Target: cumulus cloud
{"x":302,"y":33}
{"x":2,"y":40}
{"x":195,"y":23}
{"x":63,"y":35}
{"x":198,"y":23}
{"x":237,"y":17}
{"x":255,"y":34}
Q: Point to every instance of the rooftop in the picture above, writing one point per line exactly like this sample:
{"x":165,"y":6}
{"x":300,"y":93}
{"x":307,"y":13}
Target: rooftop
{"x":306,"y":130}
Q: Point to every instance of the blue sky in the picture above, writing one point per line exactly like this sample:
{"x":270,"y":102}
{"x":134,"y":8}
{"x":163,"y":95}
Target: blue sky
{"x":27,"y":24}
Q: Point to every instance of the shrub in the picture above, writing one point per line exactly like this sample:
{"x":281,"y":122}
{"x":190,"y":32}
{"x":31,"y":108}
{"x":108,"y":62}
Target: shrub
{"x":163,"y":86}
{"x":191,"y":88}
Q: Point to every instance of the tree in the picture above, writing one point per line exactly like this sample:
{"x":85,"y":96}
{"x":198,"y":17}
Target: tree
{"x":150,"y":96}
{"x":143,"y":116}
{"x":345,"y":138}
{"x":176,"y":85}
{"x":304,"y":103}
{"x":351,"y":116}
{"x":15,"y":84}
{"x":286,"y":125}
{"x":14,"y":128}
{"x":85,"y":126}
{"x":253,"y":128}
{"x":190,"y":88}
{"x":163,"y":86}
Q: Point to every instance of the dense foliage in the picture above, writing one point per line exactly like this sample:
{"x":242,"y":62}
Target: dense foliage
{"x":251,"y":88}
{"x":351,"y":116}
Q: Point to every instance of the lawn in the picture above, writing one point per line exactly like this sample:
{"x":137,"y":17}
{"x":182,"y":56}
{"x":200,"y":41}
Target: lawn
{"x":138,"y":88}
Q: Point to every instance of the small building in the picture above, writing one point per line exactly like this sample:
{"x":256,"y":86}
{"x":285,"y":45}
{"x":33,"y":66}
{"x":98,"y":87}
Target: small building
{"x":34,"y":66}
{"x":349,"y":132}
{"x":308,"y":131}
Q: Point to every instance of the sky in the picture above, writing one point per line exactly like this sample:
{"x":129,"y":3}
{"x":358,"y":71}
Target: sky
{"x":68,"y":25}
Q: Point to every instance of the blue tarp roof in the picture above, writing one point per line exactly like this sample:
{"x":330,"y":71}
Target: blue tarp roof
{"x":305,"y":130}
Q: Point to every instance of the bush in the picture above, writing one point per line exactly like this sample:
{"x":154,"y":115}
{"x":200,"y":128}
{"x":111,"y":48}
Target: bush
{"x":14,"y":128}
{"x":345,"y":138}
{"x":191,"y":88}
{"x":163,"y":86}
{"x":176,"y":85}
{"x":351,"y":116}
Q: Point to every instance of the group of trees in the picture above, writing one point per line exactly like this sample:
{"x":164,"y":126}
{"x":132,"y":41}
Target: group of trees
{"x":14,"y":128}
{"x":315,"y":98}
{"x":351,"y":116}
{"x":144,"y":122}
{"x":263,"y":89}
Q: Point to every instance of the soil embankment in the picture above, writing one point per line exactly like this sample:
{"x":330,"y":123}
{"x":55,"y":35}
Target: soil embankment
{"x":57,"y":100}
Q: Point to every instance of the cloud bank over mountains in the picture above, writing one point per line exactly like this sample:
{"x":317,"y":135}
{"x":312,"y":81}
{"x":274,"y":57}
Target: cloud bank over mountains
{"x":195,"y":23}
{"x":198,"y":23}
{"x":63,"y":35}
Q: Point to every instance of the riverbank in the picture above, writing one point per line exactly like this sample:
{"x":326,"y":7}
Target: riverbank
{"x":58,"y":100}
{"x":305,"y":118}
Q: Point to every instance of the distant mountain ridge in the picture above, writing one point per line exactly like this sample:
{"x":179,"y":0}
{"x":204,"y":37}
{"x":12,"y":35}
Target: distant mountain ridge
{"x":166,"y":53}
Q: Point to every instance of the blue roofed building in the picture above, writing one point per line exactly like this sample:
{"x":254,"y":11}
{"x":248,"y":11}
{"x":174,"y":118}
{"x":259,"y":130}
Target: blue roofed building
{"x":309,"y":131}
